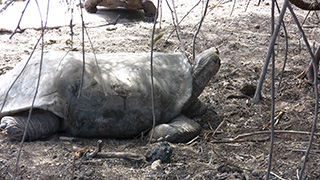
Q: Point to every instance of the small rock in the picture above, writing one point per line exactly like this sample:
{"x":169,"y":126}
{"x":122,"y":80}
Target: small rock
{"x":156,"y":165}
{"x":257,"y":173}
{"x":257,"y":26}
{"x":161,"y":151}
{"x":65,"y":138}
{"x":88,"y":173}
{"x":111,"y":28}
{"x":248,"y":90}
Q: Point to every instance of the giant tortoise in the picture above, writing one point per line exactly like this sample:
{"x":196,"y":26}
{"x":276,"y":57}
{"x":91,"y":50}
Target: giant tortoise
{"x":110,"y":98}
{"x":147,"y":5}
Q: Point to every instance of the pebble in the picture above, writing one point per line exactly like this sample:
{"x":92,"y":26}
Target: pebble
{"x":162,"y":151}
{"x":156,"y":165}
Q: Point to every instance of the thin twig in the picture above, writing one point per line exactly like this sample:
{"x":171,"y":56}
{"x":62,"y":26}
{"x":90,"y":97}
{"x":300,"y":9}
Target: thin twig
{"x":8,"y":3}
{"x":183,"y":18}
{"x":248,"y":5}
{"x":96,"y":60}
{"x":151,"y":75}
{"x":245,"y":135}
{"x":256,"y":98}
{"x":272,"y":98}
{"x":304,"y":150}
{"x":37,"y":85}
{"x":18,"y":26}
{"x":280,"y":178}
{"x":107,"y":24}
{"x":176,"y":25}
{"x":160,"y":14}
{"x":234,"y":4}
{"x":73,"y":168}
{"x":83,"y":53}
{"x":206,"y":137}
{"x":124,"y":155}
{"x":305,"y":18}
{"x":316,"y":106}
{"x":71,"y":24}
{"x":286,"y":51}
{"x":198,"y":30}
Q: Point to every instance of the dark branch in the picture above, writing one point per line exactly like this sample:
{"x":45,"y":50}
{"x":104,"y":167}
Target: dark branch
{"x":306,"y":5}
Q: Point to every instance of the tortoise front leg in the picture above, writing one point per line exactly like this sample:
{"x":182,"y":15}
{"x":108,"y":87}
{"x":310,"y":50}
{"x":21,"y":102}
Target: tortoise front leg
{"x":149,"y":10}
{"x":91,"y":5}
{"x":42,"y":124}
{"x":179,"y":130}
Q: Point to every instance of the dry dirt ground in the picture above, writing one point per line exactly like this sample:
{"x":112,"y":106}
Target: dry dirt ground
{"x":242,"y":40}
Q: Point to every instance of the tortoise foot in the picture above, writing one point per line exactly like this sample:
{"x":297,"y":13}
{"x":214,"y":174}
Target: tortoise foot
{"x":181,"y":129}
{"x":41,"y":125}
{"x":91,"y":5}
{"x":149,"y":10}
{"x":10,"y":129}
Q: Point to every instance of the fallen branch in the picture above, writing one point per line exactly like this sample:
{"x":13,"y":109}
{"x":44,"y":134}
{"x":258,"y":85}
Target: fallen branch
{"x":124,"y":155}
{"x":107,"y":24}
{"x":212,"y":133}
{"x":241,"y":136}
{"x":313,"y":6}
{"x":98,"y":154}
{"x":304,"y":150}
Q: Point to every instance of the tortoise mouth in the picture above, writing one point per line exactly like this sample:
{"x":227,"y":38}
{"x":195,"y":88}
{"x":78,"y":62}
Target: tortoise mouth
{"x":207,"y":64}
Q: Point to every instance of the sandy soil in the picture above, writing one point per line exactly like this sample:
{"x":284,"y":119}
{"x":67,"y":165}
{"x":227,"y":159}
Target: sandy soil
{"x":242,"y":40}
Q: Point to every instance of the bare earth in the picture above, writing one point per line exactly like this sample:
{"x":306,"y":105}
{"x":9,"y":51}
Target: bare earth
{"x":242,"y":40}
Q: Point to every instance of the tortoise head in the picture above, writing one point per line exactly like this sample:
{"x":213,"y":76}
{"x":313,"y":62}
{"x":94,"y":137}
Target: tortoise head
{"x":206,"y":66}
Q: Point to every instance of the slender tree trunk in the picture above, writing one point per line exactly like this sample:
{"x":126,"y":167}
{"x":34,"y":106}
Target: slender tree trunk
{"x":309,"y":74}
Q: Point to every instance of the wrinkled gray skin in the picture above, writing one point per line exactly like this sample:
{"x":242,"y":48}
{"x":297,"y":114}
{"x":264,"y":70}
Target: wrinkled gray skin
{"x":113,"y":103}
{"x":149,"y":8}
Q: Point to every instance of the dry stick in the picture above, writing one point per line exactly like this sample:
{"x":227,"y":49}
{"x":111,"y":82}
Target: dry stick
{"x":24,"y":67}
{"x":315,"y":70}
{"x":248,"y":5}
{"x":93,"y":49}
{"x":305,"y":18}
{"x":306,"y":5}
{"x":160,"y":16}
{"x":287,"y":47}
{"x":215,"y":131}
{"x":107,"y":24}
{"x":96,"y":151}
{"x":73,"y":168}
{"x":272,"y":98}
{"x":8,"y":3}
{"x":96,"y":60}
{"x":234,"y":4}
{"x":184,"y":18}
{"x":280,"y":178}
{"x":37,"y":86}
{"x":27,"y":62}
{"x":256,"y":98}
{"x":151,"y":75}
{"x":83,"y":54}
{"x":211,"y":9}
{"x":18,"y":26}
{"x":176,"y":25}
{"x":124,"y":155}
{"x":244,"y":135}
{"x":71,"y":22}
{"x":178,"y":29}
{"x":198,"y":30}
{"x":303,"y":150}
{"x":98,"y":154}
